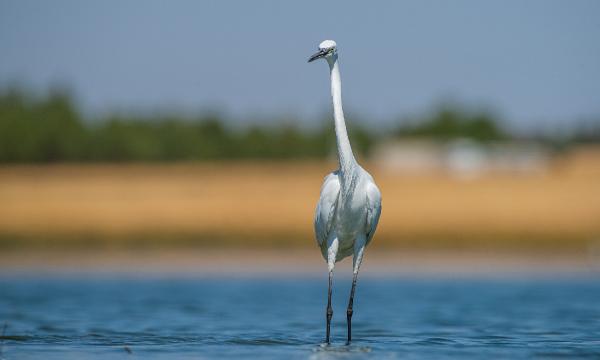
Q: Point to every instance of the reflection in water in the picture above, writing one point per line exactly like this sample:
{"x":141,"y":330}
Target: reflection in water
{"x":325,"y":351}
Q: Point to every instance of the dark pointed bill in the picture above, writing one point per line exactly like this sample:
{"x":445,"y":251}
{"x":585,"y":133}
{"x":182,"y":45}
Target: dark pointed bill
{"x":318,"y":55}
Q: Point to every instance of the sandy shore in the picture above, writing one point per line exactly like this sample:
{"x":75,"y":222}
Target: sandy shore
{"x":237,"y":262}
{"x":251,"y":204}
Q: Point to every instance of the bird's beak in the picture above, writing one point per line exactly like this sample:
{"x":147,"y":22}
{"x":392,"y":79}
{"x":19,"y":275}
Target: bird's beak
{"x":318,"y":55}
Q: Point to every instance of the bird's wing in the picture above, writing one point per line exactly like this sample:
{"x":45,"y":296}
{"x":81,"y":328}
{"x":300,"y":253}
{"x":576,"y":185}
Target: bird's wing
{"x":326,"y":207}
{"x":373,"y":209}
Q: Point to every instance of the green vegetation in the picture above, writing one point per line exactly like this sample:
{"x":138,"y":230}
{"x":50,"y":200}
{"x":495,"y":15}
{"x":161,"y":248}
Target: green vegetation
{"x":50,"y":129}
{"x":451,"y":123}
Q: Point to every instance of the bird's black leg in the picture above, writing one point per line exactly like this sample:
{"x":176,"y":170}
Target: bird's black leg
{"x":329,"y":313}
{"x":349,"y":311}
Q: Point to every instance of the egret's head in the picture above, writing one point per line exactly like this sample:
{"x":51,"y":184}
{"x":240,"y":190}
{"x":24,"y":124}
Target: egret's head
{"x":327,"y":50}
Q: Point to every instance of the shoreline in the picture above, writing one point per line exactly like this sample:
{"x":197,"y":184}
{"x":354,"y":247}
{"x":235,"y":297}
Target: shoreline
{"x":289,"y":262}
{"x":243,"y":205}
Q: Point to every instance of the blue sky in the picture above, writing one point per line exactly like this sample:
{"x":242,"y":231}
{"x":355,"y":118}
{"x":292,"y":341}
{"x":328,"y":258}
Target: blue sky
{"x":536,"y":63}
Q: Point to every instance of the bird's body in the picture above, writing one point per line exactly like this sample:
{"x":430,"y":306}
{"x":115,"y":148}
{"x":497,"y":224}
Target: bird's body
{"x":350,"y":203}
{"x":346,"y":213}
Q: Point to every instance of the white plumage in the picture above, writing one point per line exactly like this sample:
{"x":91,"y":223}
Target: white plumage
{"x":349,"y":207}
{"x":347,"y":215}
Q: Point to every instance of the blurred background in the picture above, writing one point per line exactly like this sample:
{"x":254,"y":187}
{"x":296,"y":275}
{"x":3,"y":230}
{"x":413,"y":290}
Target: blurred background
{"x":190,"y":125}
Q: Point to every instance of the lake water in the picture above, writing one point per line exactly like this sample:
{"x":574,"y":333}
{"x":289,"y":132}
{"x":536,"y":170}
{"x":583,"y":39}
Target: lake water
{"x":113,"y":316}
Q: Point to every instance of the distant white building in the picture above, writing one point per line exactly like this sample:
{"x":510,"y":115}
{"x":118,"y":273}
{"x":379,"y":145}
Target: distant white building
{"x":463,"y":158}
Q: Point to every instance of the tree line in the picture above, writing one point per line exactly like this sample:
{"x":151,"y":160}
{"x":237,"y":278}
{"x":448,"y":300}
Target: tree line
{"x":50,"y":129}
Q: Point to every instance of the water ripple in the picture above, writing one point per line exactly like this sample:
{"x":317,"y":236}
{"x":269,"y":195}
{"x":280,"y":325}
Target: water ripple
{"x":252,"y":318}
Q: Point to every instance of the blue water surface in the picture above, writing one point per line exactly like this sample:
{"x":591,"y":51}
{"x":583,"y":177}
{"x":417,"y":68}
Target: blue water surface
{"x":190,"y":317}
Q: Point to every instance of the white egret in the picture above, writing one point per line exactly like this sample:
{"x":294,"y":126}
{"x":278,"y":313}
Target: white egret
{"x":350,"y":203}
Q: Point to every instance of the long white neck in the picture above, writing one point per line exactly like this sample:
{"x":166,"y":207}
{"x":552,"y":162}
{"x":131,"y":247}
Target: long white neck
{"x":345,"y":156}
